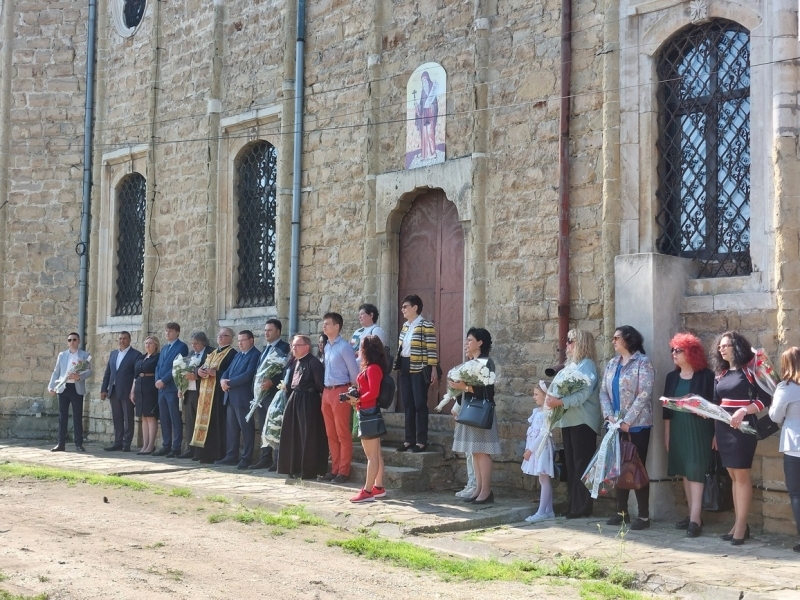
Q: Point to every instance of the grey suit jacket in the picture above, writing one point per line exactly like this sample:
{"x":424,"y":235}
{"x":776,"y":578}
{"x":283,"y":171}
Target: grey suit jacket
{"x":62,"y":366}
{"x":118,"y":383}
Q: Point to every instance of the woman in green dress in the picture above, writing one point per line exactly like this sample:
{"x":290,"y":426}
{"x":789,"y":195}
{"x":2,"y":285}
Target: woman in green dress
{"x":689,"y":438}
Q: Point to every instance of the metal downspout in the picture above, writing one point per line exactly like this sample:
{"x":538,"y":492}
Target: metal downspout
{"x":83,"y":246}
{"x":297,"y":165}
{"x":563,"y":179}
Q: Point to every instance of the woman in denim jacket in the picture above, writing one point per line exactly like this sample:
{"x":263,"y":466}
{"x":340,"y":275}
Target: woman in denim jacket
{"x":626,"y":394}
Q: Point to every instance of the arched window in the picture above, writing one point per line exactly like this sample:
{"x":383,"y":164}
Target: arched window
{"x":256,"y":200}
{"x":131,"y":202}
{"x":704,"y":144}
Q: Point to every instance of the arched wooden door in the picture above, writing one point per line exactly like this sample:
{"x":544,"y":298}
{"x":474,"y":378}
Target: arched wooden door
{"x":432,"y":266}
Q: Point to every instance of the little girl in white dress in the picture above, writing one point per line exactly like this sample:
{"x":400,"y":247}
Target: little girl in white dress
{"x":540,"y":464}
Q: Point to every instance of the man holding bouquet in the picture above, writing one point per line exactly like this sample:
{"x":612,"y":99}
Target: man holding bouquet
{"x":73,"y":368}
{"x":275,"y":347}
{"x":168,"y":408}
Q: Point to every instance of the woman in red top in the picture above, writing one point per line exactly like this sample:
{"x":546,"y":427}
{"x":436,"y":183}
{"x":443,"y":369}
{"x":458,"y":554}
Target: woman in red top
{"x":373,"y":363}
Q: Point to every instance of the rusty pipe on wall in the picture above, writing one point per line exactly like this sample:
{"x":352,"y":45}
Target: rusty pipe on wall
{"x":563,"y":179}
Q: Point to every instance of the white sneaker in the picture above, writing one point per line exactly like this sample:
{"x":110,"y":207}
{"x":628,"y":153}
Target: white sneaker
{"x":538,"y":517}
{"x":467,"y":492}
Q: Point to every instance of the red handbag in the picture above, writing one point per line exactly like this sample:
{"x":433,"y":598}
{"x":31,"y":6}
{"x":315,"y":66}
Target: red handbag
{"x":632,"y":472}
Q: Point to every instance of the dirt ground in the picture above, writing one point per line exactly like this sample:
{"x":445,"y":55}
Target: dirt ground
{"x":67,"y":542}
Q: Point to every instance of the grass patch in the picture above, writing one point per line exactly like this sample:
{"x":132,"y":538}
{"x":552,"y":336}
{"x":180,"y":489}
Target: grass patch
{"x":181,"y":492}
{"x":10,"y":470}
{"x":288,"y":518}
{"x":603,"y":590}
{"x":156,"y":545}
{"x":218,"y":498}
{"x":44,"y":578}
{"x":3,"y":576}
{"x":4,"y":595}
{"x":413,"y":557}
{"x":174,"y":574}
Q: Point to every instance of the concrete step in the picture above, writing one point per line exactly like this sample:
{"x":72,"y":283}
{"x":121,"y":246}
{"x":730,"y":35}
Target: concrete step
{"x":441,"y":423}
{"x":407,"y":479}
{"x":418,"y":460}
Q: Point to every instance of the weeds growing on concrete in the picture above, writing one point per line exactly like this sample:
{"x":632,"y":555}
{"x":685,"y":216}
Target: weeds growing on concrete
{"x":4,"y":595}
{"x":72,"y":477}
{"x":218,"y":498}
{"x":288,"y":518}
{"x":181,"y":492}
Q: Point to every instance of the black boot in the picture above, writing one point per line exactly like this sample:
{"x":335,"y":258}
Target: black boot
{"x":266,"y":460}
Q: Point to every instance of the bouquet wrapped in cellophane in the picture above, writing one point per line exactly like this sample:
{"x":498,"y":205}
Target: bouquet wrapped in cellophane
{"x":271,"y":367}
{"x":473,"y":372}
{"x":271,"y":432}
{"x":601,"y":474}
{"x":697,"y":405}
{"x":76,"y":367}
{"x":568,"y":381}
{"x":181,"y":367}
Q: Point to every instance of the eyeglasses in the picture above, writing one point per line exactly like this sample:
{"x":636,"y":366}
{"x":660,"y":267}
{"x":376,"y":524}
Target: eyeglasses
{"x":570,"y":341}
{"x":721,"y":346}
{"x":73,"y":340}
{"x":676,"y":350}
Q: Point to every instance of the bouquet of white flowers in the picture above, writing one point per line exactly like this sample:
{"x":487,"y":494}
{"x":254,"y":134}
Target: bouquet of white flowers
{"x":697,"y":405}
{"x":472,"y":372}
{"x":271,"y":432}
{"x":568,"y":381}
{"x":601,"y":474}
{"x":77,"y":367}
{"x":272,"y":366}
{"x":181,"y":367}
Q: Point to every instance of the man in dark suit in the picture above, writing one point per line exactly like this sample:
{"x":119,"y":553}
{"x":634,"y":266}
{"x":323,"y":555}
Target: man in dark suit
{"x":168,"y":409}
{"x":117,"y":385}
{"x":275,"y":347}
{"x":200,"y":349}
{"x":237,"y":383}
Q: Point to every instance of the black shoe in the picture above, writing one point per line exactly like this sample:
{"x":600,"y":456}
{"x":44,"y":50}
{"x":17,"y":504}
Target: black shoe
{"x":729,"y":536}
{"x":172,"y":454}
{"x":187,"y":454}
{"x":340,"y":478}
{"x":417,"y":448}
{"x":196,"y":458}
{"x":80,"y":448}
{"x":470,"y":499}
{"x":326,"y":477}
{"x":273,"y":468}
{"x":796,"y":548}
{"x":113,"y":449}
{"x":618,"y":518}
{"x":126,"y":448}
{"x":59,"y":448}
{"x":242,"y":465}
{"x":404,"y":447}
{"x":683,"y":524}
{"x":693,"y":530}
{"x":162,"y":452}
{"x":640,"y":524}
{"x":262,"y":464}
{"x":226,"y":462}
{"x":488,"y":500}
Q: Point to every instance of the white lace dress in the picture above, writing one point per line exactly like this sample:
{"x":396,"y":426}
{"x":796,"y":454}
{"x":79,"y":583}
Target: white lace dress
{"x":543,"y":463}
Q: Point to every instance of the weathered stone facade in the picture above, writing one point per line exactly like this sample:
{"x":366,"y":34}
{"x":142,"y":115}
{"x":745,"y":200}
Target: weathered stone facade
{"x":197,"y":82}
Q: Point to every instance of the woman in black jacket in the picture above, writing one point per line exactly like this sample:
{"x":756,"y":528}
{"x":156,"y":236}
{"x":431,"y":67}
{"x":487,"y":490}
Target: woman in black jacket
{"x":689,"y":439}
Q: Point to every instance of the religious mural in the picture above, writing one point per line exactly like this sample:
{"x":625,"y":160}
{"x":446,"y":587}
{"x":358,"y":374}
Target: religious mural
{"x":426,"y":107}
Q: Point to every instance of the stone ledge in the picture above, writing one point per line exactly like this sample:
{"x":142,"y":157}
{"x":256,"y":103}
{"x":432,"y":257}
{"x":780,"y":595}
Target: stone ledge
{"x":728,"y":302}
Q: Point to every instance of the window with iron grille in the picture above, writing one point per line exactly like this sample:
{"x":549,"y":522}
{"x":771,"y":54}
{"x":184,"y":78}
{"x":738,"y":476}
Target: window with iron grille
{"x":133,"y":12}
{"x":256,"y":200}
{"x":131,"y":203}
{"x":704,"y":145}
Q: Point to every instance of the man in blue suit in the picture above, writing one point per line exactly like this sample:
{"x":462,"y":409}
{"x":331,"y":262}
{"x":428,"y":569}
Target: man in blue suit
{"x":237,"y":383}
{"x":117,"y":385}
{"x":168,"y":409}
{"x":275,"y":346}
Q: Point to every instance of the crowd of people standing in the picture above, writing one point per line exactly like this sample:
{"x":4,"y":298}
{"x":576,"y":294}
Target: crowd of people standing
{"x":323,"y":390}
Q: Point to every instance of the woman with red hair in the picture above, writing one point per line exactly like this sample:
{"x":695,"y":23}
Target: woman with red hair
{"x":689,"y":438}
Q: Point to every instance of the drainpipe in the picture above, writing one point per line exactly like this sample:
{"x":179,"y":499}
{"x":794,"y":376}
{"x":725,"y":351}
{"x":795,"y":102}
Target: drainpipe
{"x":297,"y":165}
{"x":83,"y":246}
{"x":563,"y":180}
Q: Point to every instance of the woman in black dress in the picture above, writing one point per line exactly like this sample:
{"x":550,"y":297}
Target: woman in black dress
{"x":688,"y":438}
{"x":742,"y":399}
{"x":144,"y":394}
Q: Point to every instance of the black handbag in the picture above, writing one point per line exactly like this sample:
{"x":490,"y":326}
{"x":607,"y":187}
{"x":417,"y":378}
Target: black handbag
{"x":718,"y":490}
{"x":477,"y":412}
{"x":370,"y":423}
{"x":766,"y":427}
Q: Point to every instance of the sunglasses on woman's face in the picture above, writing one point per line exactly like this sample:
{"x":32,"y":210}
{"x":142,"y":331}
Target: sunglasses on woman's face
{"x":675,"y":350}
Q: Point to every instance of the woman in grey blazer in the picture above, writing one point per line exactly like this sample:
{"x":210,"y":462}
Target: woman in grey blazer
{"x":785,"y":409}
{"x":72,"y":393}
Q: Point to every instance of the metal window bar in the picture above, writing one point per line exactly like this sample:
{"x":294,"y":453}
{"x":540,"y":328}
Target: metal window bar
{"x":256,"y":174}
{"x":704,"y":145}
{"x":133,"y":11}
{"x":132,"y":201}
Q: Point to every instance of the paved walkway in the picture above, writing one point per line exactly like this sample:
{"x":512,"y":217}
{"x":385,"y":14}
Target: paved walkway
{"x":705,"y":567}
